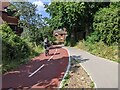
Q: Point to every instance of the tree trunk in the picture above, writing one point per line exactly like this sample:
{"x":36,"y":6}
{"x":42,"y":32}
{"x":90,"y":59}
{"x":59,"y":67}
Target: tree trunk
{"x":86,"y":30}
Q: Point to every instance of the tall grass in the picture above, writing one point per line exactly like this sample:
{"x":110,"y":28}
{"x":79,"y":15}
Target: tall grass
{"x":100,"y":49}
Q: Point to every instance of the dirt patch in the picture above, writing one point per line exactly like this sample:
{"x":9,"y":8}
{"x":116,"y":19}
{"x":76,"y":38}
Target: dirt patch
{"x":77,"y":77}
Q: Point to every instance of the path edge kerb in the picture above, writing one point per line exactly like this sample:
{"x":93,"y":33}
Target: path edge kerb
{"x":89,"y":76}
{"x":68,"y":67}
{"x":61,"y":84}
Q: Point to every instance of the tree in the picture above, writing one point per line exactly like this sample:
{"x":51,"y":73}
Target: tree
{"x":29,"y":20}
{"x":106,"y":23}
{"x":73,"y":16}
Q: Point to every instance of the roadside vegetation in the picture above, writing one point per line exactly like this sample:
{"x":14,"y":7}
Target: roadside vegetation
{"x":100,"y":49}
{"x":15,"y":50}
{"x":18,"y":50}
{"x":91,"y":26}
{"x":104,"y":40}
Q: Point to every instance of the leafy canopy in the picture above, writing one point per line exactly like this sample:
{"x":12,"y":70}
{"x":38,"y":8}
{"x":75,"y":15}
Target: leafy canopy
{"x":106,"y":23}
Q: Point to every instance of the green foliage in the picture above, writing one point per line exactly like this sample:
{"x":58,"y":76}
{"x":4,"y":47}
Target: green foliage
{"x":93,"y":37}
{"x":106,"y":24}
{"x":75,"y":16}
{"x":11,"y":9}
{"x":12,"y":44}
{"x":40,"y":34}
{"x":30,"y":21}
{"x":92,"y":85}
{"x":65,"y":15}
{"x":67,"y":76}
{"x":48,"y":31}
{"x":104,"y":40}
{"x":14,"y":49}
{"x":100,"y":49}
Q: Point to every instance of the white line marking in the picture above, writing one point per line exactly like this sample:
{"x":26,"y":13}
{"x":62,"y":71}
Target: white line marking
{"x":56,"y":50}
{"x":50,"y":58}
{"x":41,"y":66}
{"x":36,"y":70}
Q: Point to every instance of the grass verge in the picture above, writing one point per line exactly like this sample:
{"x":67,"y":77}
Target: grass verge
{"x":100,"y":49}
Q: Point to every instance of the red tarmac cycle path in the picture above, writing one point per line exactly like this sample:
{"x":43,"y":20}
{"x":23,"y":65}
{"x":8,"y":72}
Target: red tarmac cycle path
{"x":41,"y":72}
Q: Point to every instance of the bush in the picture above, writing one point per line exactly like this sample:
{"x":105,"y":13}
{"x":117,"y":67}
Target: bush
{"x":106,"y":24}
{"x":94,"y":37}
{"x":14,"y":49}
{"x":104,"y":40}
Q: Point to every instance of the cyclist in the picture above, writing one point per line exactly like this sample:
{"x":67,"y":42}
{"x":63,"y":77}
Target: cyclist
{"x":46,"y":46}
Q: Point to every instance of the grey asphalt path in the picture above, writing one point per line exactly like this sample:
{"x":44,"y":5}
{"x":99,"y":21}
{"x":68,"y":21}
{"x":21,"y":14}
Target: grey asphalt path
{"x":103,"y":72}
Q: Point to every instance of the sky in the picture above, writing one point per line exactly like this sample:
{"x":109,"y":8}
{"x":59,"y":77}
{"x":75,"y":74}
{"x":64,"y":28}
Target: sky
{"x":40,"y":6}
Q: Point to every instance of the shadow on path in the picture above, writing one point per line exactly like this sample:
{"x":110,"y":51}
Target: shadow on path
{"x":79,"y":59}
